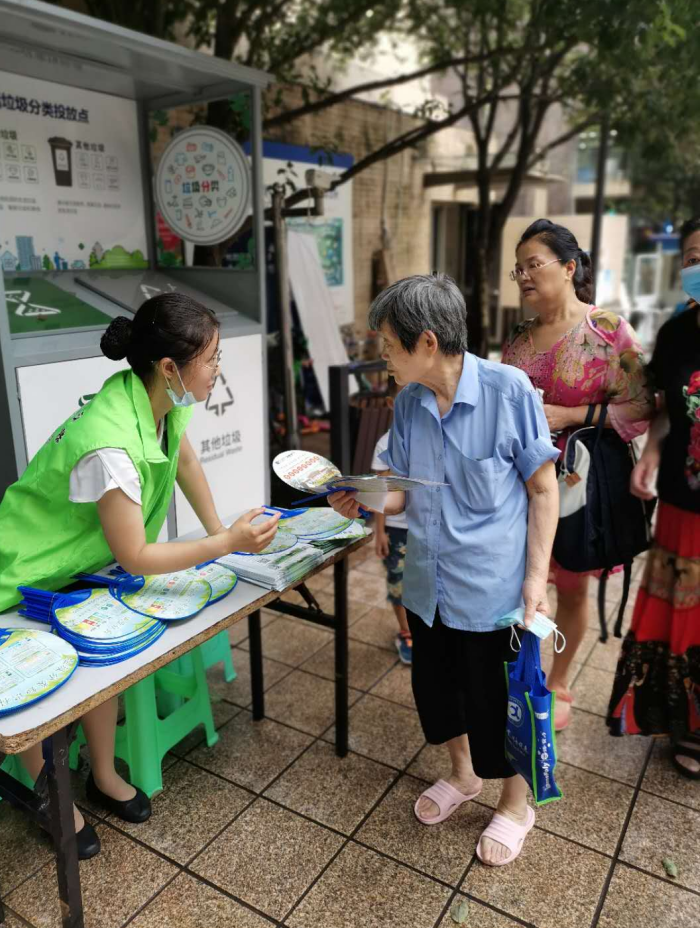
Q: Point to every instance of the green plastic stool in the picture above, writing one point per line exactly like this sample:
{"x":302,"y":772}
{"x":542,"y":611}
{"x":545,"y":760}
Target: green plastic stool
{"x":216,"y":650}
{"x":146,"y":735}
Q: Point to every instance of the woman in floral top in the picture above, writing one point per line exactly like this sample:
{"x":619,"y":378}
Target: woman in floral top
{"x":578,"y":356}
{"x":657,"y":685}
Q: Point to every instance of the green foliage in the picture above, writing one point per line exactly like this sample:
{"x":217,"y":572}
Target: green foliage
{"x":597,"y":61}
{"x":660,"y":125}
{"x":239,"y":112}
{"x":272,"y":36}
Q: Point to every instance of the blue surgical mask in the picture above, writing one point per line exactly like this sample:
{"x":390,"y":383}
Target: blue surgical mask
{"x":690,"y":281}
{"x":542,"y":626}
{"x":187,"y":398}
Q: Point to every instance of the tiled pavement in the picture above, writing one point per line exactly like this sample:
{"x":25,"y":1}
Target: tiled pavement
{"x":269,"y":827}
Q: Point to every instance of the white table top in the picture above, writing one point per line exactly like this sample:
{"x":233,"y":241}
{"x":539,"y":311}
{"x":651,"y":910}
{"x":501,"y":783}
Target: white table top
{"x":91,"y":686}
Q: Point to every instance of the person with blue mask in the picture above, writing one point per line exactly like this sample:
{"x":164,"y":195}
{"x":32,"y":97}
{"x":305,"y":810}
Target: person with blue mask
{"x":657,"y":684}
{"x":479,"y":544}
{"x":99,"y":489}
{"x":690,"y":275}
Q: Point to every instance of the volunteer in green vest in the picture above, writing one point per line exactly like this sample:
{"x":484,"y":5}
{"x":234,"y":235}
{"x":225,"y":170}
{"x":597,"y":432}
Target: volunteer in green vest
{"x":99,"y":490}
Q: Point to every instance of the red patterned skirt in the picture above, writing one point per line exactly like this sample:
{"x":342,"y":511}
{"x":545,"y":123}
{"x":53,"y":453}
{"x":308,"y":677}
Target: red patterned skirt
{"x":657,"y":682}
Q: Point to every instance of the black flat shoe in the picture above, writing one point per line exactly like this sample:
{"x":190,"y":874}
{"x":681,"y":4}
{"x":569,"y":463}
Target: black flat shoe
{"x":136,"y":810}
{"x":88,"y":842}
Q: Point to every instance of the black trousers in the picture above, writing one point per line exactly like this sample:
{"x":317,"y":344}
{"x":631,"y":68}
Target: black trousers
{"x":460,"y":688}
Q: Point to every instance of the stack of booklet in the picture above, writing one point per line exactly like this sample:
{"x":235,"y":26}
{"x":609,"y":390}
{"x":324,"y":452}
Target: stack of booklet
{"x":304,"y":537}
{"x":275,"y":571}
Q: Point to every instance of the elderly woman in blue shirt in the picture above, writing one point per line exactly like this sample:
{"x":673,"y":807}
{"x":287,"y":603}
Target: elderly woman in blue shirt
{"x":477,"y":548}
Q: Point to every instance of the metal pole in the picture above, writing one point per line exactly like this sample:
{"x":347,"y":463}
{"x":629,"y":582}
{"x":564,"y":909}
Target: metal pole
{"x":596,"y":233}
{"x":340,"y":590}
{"x":338,"y":377}
{"x":260,"y":263}
{"x":285,"y":311}
{"x":55,"y":749}
{"x":257,"y":685}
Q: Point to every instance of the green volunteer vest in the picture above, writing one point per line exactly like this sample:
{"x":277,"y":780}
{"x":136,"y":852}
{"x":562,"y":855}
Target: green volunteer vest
{"x":45,"y":539}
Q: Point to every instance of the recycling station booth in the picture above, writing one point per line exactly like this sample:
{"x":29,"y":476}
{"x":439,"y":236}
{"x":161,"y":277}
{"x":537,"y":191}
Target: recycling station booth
{"x":113,"y":188}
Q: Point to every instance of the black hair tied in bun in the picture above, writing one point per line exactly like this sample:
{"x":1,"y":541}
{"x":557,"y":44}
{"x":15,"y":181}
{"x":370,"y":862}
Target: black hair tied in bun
{"x":117,"y":339}
{"x":169,"y":325}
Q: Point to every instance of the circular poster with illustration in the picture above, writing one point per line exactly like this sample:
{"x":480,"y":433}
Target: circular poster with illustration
{"x":202,"y":185}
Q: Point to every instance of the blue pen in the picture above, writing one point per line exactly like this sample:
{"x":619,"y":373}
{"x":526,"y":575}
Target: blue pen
{"x":286,"y":513}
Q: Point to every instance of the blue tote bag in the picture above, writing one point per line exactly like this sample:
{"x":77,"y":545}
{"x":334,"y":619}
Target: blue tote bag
{"x":531,"y":746}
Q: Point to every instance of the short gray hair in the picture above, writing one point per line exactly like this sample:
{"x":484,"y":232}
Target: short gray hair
{"x":423,"y":303}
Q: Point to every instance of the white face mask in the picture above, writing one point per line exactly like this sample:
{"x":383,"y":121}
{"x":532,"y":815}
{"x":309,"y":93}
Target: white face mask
{"x":187,"y":398}
{"x":542,"y":626}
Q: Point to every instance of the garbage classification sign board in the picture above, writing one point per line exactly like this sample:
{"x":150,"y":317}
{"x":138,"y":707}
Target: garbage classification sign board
{"x":70,"y":180}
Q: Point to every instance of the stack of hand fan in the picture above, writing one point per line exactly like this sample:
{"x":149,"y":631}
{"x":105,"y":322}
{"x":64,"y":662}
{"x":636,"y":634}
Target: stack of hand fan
{"x":322,"y":527}
{"x":107,"y":626}
{"x":337,"y":536}
{"x":32,"y":665}
{"x":102,"y":629}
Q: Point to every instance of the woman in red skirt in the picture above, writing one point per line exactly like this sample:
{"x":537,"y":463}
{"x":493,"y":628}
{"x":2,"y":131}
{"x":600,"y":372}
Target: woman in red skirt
{"x":657,"y":684}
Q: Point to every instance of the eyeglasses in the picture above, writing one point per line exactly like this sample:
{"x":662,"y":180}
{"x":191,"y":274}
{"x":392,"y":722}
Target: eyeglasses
{"x":519,"y":272}
{"x":217,"y":361}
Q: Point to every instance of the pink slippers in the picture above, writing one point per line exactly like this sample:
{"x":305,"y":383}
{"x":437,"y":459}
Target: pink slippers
{"x":508,"y":833}
{"x":446,"y":798}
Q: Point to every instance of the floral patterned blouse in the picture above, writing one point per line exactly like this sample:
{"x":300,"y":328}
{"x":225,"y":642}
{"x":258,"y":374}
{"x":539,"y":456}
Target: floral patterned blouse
{"x":599,"y":360}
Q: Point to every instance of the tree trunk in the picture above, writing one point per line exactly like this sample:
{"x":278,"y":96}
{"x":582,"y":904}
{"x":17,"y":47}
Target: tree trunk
{"x":478,"y":320}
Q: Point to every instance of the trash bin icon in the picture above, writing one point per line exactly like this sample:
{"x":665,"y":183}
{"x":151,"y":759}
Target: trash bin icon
{"x":61,"y":156}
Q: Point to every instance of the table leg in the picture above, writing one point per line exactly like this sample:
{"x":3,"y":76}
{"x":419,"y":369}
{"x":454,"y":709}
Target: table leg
{"x":63,"y":828}
{"x":340,"y":578}
{"x":256,"y":665}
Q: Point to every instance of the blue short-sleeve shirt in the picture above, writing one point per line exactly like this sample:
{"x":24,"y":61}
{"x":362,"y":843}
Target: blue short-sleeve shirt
{"x":467,"y":543}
